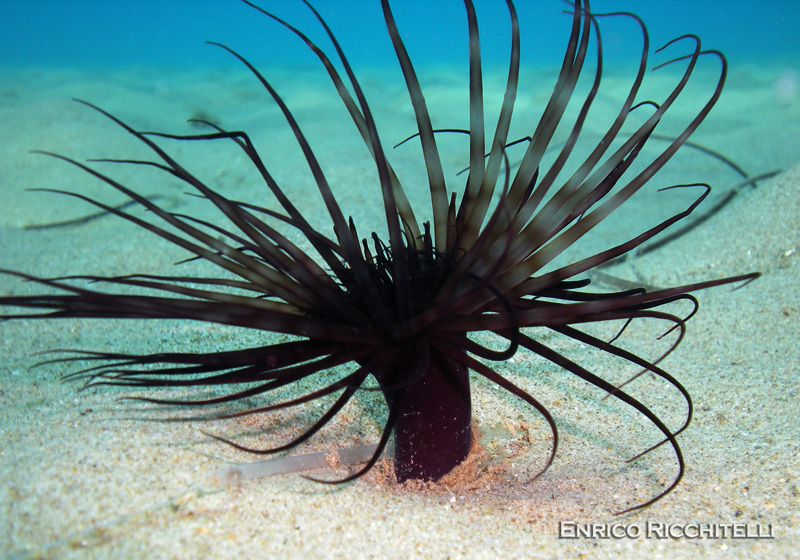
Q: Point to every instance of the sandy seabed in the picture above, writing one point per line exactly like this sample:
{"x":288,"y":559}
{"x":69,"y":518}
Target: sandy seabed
{"x":84,"y":477}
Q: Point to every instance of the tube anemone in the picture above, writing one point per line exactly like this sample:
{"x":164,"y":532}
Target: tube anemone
{"x":401,"y":311}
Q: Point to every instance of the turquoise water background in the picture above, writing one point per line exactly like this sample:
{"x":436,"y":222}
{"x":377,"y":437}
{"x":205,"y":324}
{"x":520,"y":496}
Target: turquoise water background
{"x":153,"y":32}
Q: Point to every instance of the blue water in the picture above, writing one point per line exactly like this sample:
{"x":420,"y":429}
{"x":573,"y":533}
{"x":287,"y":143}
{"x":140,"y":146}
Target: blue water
{"x":81,"y":33}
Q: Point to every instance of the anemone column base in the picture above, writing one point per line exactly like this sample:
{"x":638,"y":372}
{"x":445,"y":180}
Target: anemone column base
{"x":433,"y":433}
